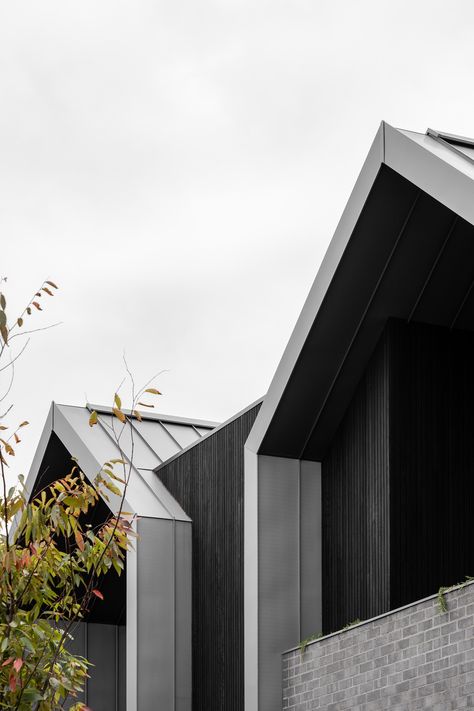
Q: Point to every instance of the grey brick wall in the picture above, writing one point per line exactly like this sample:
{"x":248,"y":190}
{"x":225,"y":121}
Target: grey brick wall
{"x":411,"y":659}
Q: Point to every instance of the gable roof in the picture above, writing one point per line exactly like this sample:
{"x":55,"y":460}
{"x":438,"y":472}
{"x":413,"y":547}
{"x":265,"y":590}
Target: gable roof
{"x":146,"y":443}
{"x":404,"y":248}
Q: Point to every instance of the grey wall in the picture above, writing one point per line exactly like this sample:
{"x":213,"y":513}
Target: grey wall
{"x":283,"y":592}
{"x":412,"y":659}
{"x":104,"y":647}
{"x":162,"y":616}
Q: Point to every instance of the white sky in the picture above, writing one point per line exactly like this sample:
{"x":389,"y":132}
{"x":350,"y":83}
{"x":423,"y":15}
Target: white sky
{"x":179,"y":167}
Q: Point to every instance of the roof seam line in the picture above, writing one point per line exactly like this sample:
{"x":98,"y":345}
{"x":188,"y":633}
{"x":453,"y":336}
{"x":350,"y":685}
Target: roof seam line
{"x":435,"y":263}
{"x":361,"y":321}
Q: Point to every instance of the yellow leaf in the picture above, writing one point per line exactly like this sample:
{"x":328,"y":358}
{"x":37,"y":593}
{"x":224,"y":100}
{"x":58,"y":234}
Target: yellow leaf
{"x":117,"y":401}
{"x":93,"y":418}
{"x":137,"y":415}
{"x":153,"y":391}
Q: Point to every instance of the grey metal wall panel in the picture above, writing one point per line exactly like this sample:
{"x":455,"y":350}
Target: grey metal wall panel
{"x":156,"y":614}
{"x":101,"y":651}
{"x":207,"y":481}
{"x":122,"y":668}
{"x":77,"y":645}
{"x":310,"y":549}
{"x":279,"y":571}
{"x":183,"y":620}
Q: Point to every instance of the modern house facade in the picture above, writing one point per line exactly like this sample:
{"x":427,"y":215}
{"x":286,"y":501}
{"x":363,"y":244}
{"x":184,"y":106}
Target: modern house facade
{"x":343,"y":494}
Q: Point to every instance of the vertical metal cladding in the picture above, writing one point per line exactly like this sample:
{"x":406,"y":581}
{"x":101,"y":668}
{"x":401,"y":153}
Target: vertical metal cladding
{"x":355,"y":504}
{"x":397,"y":481}
{"x":431,"y":459}
{"x":207,"y":481}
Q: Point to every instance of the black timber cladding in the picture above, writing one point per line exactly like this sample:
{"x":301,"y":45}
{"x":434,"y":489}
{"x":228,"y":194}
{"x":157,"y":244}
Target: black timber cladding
{"x":207,"y":481}
{"x":431,"y":459}
{"x":355,"y":504}
{"x":398,"y":480}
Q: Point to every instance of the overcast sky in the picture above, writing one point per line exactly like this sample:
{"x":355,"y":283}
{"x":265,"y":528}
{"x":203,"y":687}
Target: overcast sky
{"x":179,"y":167}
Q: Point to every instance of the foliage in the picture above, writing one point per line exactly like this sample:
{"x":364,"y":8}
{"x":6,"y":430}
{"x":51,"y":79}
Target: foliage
{"x":304,"y":643}
{"x":50,"y":566}
{"x":52,"y":560}
{"x":441,"y":597}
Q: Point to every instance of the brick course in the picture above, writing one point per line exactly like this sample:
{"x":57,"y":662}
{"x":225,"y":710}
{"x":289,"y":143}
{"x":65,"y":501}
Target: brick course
{"x":412,"y":659}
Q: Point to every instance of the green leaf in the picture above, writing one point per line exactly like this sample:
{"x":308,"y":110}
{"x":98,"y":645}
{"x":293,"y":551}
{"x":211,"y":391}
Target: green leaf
{"x":32,"y":695}
{"x":112,"y":487}
{"x":118,"y":401}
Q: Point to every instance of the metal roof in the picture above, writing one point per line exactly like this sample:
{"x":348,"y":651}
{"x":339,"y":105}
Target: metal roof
{"x":146,"y":443}
{"x":404,"y":248}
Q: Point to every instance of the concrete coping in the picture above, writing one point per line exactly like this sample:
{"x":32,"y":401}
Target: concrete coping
{"x":452,"y":588}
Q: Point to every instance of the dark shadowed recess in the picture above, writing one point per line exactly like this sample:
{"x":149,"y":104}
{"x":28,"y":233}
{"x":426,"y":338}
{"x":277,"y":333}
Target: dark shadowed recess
{"x":56,"y":464}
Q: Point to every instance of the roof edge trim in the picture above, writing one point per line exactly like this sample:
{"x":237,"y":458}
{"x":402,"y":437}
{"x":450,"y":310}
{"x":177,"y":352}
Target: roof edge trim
{"x":329,"y":264}
{"x":210,"y":433}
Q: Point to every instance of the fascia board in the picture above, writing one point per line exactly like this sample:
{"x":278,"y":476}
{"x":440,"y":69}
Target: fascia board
{"x":336,"y":248}
{"x":155,"y":416}
{"x":78,"y":449}
{"x":40,"y":451}
{"x":435,"y":168}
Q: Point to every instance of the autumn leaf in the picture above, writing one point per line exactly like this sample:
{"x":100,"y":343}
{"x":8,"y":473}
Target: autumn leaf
{"x":12,"y":682}
{"x":153,"y":391}
{"x":119,"y":414}
{"x":4,"y":332}
{"x":19,"y":321}
{"x":37,"y":306}
{"x":98,"y":594}
{"x":51,"y":283}
{"x":118,"y":401}
{"x":23,"y":424}
{"x":17,"y":664}
{"x":7,"y":661}
{"x":46,"y":290}
{"x":144,"y":404}
{"x":93,"y":418}
{"x":137,"y":415}
{"x":79,"y":540}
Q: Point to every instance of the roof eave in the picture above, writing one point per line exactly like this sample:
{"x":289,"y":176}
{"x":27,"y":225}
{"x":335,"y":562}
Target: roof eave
{"x":435,"y":168}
